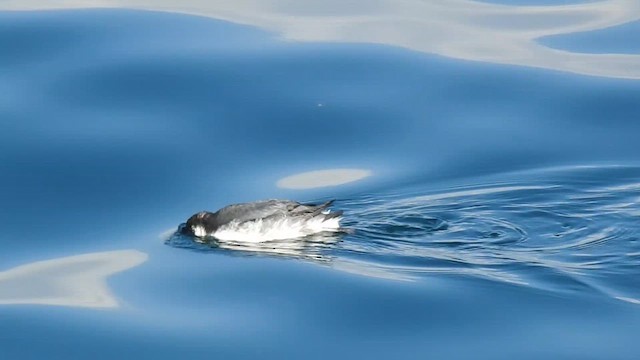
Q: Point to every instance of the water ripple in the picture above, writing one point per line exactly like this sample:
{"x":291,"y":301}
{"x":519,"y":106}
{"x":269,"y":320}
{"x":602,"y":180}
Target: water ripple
{"x":566,"y":231}
{"x":571,"y":231}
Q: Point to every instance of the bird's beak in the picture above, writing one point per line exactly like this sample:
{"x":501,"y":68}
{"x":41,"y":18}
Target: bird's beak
{"x":184,"y":229}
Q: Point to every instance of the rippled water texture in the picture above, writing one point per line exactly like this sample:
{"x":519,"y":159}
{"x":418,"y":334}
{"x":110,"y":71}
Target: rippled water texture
{"x":562,"y":230}
{"x":486,"y":156}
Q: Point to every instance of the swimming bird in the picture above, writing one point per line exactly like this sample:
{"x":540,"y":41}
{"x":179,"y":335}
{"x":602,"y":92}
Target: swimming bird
{"x":263,"y":221}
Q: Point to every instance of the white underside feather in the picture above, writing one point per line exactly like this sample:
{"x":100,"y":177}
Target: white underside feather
{"x":273,"y":229}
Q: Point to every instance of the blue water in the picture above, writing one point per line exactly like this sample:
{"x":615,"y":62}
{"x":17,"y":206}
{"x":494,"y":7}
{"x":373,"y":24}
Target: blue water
{"x":612,"y":41}
{"x":501,"y":219}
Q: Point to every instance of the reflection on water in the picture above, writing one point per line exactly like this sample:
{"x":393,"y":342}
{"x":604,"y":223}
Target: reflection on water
{"x":309,"y":247}
{"x":322,"y":178}
{"x":462,"y":29}
{"x":119,"y":123}
{"x":562,"y":230}
{"x":70,"y":281}
{"x":315,"y":248}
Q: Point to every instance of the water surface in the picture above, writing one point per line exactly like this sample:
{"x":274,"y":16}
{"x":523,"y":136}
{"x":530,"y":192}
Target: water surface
{"x":495,"y":212}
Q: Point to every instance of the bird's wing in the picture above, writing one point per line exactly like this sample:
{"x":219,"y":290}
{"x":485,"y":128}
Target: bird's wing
{"x":255,"y":210}
{"x":268,"y":208}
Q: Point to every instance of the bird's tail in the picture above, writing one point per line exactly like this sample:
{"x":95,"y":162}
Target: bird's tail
{"x":328,"y":215}
{"x":322,"y":209}
{"x":333,"y":215}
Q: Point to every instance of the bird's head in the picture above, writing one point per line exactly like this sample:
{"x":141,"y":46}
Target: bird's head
{"x":200,"y":225}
